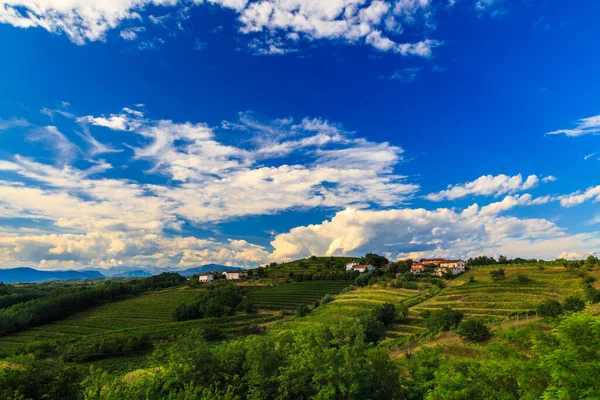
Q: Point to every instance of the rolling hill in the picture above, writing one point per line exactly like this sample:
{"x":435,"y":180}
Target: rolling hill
{"x":25,"y":275}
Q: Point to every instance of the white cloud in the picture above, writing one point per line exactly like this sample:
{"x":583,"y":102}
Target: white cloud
{"x":127,"y":120}
{"x":12,"y":123}
{"x":587,"y":157}
{"x":585,"y":126}
{"x":577,"y":198}
{"x":489,"y":185}
{"x":444,"y":232}
{"x":549,"y":178}
{"x":406,"y":75}
{"x":130,"y":34}
{"x":55,"y":140}
{"x":273,"y":20}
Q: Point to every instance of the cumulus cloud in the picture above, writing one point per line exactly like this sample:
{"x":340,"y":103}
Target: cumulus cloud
{"x":419,"y":232}
{"x":371,"y":22}
{"x":577,"y":198}
{"x":489,"y":185}
{"x":585,"y":126}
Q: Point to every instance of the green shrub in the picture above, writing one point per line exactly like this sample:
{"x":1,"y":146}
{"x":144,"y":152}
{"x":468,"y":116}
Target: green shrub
{"x":386,"y":313}
{"x":573,"y":304}
{"x":302,"y":310}
{"x":326,"y":299}
{"x":373,"y":328}
{"x":550,"y":308}
{"x":211,"y":333}
{"x":474,"y":330}
{"x":522,"y":278}
{"x":471,"y":279}
{"x":444,"y":319}
{"x":497,"y":274}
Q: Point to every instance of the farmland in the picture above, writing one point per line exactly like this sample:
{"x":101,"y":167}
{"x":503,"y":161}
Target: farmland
{"x":149,"y":314}
{"x":289,"y":296}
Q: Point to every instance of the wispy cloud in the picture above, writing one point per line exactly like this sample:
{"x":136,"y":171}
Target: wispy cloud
{"x":406,"y":75}
{"x":585,"y":126}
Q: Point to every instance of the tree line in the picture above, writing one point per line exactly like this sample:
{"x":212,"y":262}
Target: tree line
{"x":64,"y":302}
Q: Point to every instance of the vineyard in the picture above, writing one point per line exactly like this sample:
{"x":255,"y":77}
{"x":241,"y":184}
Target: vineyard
{"x":149,"y":314}
{"x":290,"y":296}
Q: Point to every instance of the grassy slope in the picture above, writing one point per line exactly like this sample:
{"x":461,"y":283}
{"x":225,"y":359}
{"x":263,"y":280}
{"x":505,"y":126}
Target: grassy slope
{"x":290,"y":296}
{"x":149,"y":314}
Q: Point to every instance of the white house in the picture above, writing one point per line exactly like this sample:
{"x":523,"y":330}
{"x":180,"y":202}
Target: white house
{"x":453,"y":267}
{"x":350,"y":266}
{"x":361,"y":268}
{"x":204,"y":278}
{"x":233,"y":275}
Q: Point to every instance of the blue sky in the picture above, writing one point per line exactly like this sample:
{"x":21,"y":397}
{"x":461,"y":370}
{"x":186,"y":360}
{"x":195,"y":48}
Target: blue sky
{"x":179,"y":133}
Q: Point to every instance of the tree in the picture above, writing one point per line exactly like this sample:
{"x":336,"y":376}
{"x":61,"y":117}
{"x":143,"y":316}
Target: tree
{"x":375,"y":260}
{"x":497,"y":274}
{"x":386,"y":313}
{"x":443,"y":319}
{"x":502,"y":260}
{"x":573,"y":304}
{"x":474,"y":330}
{"x":302,"y":310}
{"x":550,"y":308}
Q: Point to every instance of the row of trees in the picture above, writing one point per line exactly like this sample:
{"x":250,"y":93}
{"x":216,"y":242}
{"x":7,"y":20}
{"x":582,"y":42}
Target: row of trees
{"x":217,"y":301}
{"x":63,"y":303}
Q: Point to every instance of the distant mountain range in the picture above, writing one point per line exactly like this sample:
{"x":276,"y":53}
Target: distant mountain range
{"x":207,"y":268}
{"x":25,"y":274}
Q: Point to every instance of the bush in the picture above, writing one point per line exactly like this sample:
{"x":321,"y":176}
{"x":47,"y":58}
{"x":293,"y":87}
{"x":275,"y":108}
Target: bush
{"x":474,"y":330}
{"x":551,"y":308}
{"x":326,"y":299}
{"x":444,"y":319}
{"x":373,"y":328}
{"x":522,"y":278}
{"x":386,"y":313}
{"x":249,"y":308}
{"x":302,"y":310}
{"x":497,"y":274}
{"x":471,"y":279}
{"x":211,"y":333}
{"x":573,"y":304}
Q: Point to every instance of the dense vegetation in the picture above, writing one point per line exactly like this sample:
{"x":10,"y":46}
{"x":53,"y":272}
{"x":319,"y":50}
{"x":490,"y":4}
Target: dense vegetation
{"x":63,"y":303}
{"x":528,"y":333}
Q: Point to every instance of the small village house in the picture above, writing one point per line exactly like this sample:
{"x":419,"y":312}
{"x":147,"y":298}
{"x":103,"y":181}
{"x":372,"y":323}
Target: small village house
{"x":207,"y":277}
{"x":356,"y":266}
{"x":233,"y":275}
{"x":443,"y":266}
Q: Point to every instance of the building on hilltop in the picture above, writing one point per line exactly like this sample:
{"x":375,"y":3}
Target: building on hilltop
{"x":207,"y":277}
{"x":443,"y":266}
{"x":233,"y":275}
{"x":356,"y":266}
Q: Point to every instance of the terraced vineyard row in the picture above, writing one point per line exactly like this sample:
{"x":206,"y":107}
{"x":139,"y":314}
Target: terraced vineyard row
{"x":354,"y":304}
{"x":290,"y":296}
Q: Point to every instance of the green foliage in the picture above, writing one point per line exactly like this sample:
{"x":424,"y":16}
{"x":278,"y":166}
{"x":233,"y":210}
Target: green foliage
{"x":218,"y":301}
{"x":443,"y":319}
{"x":23,"y":378}
{"x":375,"y":260}
{"x":374,"y":328}
{"x":326,"y":299}
{"x":573,"y":304}
{"x":312,"y":362}
{"x":211,"y":333}
{"x":497,"y":274}
{"x":550,"y":308}
{"x":386,"y":313}
{"x":302,"y":310}
{"x":289,"y":296}
{"x":63,"y":303}
{"x":471,"y":279}
{"x":91,"y":348}
{"x":522,"y":278}
{"x":474,"y":330}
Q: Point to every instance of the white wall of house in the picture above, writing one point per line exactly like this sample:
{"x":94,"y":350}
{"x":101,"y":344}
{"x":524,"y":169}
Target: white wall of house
{"x":207,"y":278}
{"x":234,"y":276}
{"x":350,"y":266}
